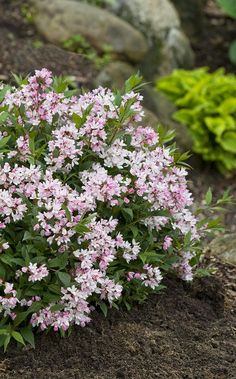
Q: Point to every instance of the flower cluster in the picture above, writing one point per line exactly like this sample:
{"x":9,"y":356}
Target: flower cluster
{"x":35,"y":273}
{"x":94,"y":209}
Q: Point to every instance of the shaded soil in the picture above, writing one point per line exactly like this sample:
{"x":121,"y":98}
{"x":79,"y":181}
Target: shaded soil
{"x":188,"y":332}
{"x":22,"y":50}
{"x":204,"y":175}
{"x":212,"y":43}
{"x":182,"y":334}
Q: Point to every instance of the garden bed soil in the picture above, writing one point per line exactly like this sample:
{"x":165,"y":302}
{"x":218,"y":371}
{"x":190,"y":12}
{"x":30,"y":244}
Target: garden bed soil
{"x":211,"y":45}
{"x":185,"y":333}
{"x":22,"y":49}
{"x":188,"y":332}
{"x":203,"y":176}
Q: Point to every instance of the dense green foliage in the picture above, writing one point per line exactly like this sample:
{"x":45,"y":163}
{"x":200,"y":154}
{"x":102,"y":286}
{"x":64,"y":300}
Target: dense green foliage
{"x":207,"y":105}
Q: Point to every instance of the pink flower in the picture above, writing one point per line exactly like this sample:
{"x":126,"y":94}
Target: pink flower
{"x":35,"y":273}
{"x":167,"y":242}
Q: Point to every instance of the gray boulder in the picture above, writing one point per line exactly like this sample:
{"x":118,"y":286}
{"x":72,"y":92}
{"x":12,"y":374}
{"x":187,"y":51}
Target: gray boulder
{"x":150,"y":119}
{"x":158,"y":20}
{"x":114,"y":75}
{"x":153,"y":17}
{"x":177,"y":44}
{"x":224,"y":248}
{"x":59,"y":20}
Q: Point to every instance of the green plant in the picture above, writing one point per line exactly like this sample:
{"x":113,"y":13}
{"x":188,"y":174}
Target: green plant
{"x":27,"y":13}
{"x":99,"y":3}
{"x":80,"y":45}
{"x":207,"y":105}
{"x":229,"y":7}
{"x":37,"y":44}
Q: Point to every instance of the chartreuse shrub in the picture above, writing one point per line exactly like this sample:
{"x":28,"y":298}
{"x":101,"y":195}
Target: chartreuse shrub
{"x":95,"y":211}
{"x":229,"y":7}
{"x":206,"y":103}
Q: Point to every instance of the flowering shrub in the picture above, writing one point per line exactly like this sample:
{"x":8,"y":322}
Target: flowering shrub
{"x":94,"y":209}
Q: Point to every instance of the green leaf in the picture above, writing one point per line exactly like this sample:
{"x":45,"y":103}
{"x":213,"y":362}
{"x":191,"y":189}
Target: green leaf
{"x":127,"y":139}
{"x":2,"y":271}
{"x":218,"y":125}
{"x":151,"y":257}
{"x":214,"y":223}
{"x":3,"y":92}
{"x":28,"y":236}
{"x":228,"y":141}
{"x":18,"y":337}
{"x":3,"y":331}
{"x":28,"y":335}
{"x":117,"y":98}
{"x":51,"y":297}
{"x":187,"y":239}
{"x":229,"y":7}
{"x":57,"y":307}
{"x":18,"y":261}
{"x":59,"y":262}
{"x":7,"y":259}
{"x":6,"y":342}
{"x":64,"y":278}
{"x":32,"y":143}
{"x":134,"y":230}
{"x":78,"y":120}
{"x":3,"y":117}
{"x":40,"y":151}
{"x":133,"y":83}
{"x":203,"y":272}
{"x":103,"y":308}
{"x":128,"y":214}
{"x":208,"y":197}
{"x":19,"y":79}
{"x":35,"y":307}
{"x":27,"y":259}
{"x":55,"y":288}
{"x":2,"y":339}
{"x":228,"y":106}
{"x":232,"y":52}
{"x":4,"y":141}
{"x":184,"y":116}
{"x":128,"y":306}
{"x":81,"y":229}
{"x":160,"y":212}
{"x":67,"y":212}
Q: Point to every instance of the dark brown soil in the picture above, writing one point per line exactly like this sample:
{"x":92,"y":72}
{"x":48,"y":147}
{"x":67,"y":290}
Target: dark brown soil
{"x":212,"y":43}
{"x":188,"y":332}
{"x":203,"y":176}
{"x":22,"y":50}
{"x":184,"y":333}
